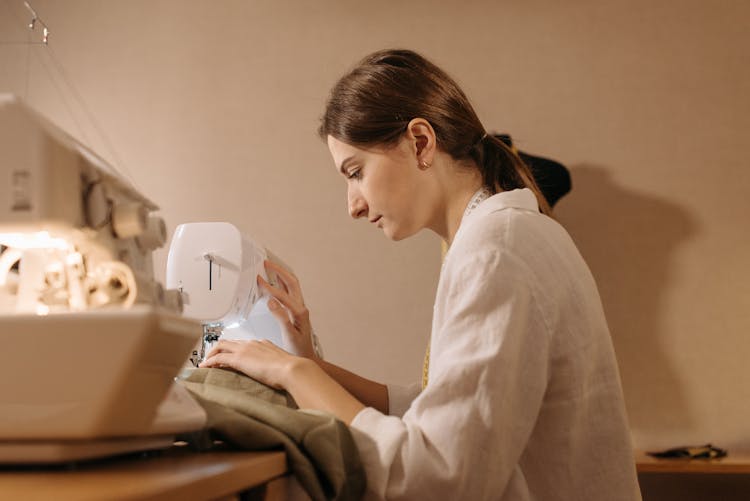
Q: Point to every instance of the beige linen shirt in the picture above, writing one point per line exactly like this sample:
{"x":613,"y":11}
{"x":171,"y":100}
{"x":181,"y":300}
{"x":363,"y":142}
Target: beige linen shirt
{"x":524,"y":399}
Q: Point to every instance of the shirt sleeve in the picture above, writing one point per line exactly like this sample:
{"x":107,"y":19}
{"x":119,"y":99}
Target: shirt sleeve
{"x":463,"y":435}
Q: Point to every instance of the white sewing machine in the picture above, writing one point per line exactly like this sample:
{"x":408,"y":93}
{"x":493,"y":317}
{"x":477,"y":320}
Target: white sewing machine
{"x":91,"y":343}
{"x":215,"y":266}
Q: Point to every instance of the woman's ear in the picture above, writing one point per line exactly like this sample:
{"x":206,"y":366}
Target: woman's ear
{"x":422,"y":137}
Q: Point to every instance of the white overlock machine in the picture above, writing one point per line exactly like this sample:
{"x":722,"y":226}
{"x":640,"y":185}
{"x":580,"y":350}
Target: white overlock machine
{"x":91,"y":342}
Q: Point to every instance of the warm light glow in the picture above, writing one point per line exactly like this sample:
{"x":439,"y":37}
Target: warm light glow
{"x":42,"y":309}
{"x":36,"y":240}
{"x":73,"y":258}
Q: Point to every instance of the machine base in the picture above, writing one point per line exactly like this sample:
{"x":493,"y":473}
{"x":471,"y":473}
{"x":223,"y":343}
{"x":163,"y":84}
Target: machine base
{"x":30,"y":452}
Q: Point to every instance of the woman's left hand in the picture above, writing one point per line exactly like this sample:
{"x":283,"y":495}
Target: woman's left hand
{"x":261,"y":360}
{"x":288,"y":306}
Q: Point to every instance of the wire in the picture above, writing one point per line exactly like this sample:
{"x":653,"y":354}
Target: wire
{"x":59,"y":68}
{"x":53,"y":80}
{"x":28,"y":66}
{"x":119,"y":164}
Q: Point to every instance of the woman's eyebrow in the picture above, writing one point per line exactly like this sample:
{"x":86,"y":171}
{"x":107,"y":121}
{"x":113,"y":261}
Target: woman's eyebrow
{"x":346,"y":162}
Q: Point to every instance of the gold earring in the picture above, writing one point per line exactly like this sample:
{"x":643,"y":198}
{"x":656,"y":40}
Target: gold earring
{"x":423,"y":165}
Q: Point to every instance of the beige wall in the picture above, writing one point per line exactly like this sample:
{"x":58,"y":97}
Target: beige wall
{"x":211,"y":107}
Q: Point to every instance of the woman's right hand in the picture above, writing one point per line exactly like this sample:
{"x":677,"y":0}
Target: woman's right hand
{"x":288,"y":306}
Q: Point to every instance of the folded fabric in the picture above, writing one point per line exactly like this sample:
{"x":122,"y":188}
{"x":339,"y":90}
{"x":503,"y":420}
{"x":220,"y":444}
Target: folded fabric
{"x":252,"y":416}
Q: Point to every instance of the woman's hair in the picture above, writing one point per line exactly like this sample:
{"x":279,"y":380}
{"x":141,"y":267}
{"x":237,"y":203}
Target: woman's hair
{"x":373,"y":104}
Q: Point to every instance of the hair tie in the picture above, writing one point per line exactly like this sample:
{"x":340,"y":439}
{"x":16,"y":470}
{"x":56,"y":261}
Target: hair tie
{"x":478,"y":143}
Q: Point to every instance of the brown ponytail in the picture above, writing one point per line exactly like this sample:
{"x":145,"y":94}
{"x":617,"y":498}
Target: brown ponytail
{"x":501,"y":167}
{"x":374,"y":102}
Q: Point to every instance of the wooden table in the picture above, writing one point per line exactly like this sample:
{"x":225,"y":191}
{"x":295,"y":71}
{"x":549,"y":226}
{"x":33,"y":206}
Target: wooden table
{"x":734,"y":463}
{"x":727,"y":478}
{"x":176,"y":474}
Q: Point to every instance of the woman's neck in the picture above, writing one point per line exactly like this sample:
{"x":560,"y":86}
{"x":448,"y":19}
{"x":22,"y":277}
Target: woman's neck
{"x":458,"y":184}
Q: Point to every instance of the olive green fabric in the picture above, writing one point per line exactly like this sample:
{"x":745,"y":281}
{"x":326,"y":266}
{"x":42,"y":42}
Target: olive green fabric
{"x":252,"y":416}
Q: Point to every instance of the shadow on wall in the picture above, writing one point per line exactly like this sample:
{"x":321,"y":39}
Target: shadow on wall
{"x":629,"y":241}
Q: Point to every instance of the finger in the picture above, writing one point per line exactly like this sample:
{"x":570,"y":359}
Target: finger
{"x":222,"y":346}
{"x":289,"y":279}
{"x":297,"y":308}
{"x":278,"y":311}
{"x":280,"y":291}
{"x":277,"y":293}
{"x":218,"y":360}
{"x":269,"y":287}
{"x":300,"y":315}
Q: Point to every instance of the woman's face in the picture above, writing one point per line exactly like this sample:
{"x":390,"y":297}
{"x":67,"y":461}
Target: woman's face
{"x":383,"y":185}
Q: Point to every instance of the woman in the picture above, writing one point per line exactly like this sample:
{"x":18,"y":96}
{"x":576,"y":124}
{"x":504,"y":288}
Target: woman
{"x":523,"y":398}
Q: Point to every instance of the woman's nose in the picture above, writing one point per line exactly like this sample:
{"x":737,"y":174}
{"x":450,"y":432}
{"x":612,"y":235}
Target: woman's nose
{"x":357,"y":205}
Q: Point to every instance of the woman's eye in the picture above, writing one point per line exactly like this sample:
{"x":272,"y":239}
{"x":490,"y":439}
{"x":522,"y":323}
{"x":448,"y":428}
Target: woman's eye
{"x":355,"y":174}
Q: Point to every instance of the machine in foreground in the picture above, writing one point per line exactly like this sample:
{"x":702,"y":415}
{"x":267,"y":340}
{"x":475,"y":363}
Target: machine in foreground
{"x":91,"y":341}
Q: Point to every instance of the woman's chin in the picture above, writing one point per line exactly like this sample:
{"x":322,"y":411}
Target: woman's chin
{"x":391,"y":235}
{"x":395,"y":235}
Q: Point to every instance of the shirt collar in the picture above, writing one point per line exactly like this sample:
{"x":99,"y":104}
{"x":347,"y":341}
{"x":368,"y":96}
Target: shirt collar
{"x":521,"y":198}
